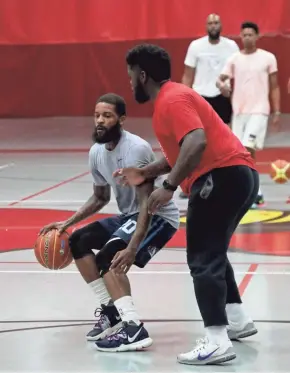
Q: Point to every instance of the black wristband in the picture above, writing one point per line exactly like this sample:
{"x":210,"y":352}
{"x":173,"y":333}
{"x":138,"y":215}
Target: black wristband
{"x":168,"y":186}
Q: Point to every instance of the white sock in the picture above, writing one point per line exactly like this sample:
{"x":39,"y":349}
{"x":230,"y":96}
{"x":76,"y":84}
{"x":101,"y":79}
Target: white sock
{"x":217,"y":334}
{"x":127,"y":310}
{"x":260,"y":192}
{"x":99,"y":288}
{"x":236,"y":314}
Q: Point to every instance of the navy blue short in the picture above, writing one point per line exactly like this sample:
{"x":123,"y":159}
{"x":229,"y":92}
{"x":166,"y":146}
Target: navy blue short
{"x":159,"y":233}
{"x":98,"y":233}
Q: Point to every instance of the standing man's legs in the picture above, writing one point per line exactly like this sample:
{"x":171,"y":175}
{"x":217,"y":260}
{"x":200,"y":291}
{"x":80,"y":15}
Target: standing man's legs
{"x":251,"y":130}
{"x":254,"y":139}
{"x":216,"y":203}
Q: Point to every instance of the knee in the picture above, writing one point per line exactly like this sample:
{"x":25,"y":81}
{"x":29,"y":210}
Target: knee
{"x":207,"y":265}
{"x":79,"y":245}
{"x":105,"y":256}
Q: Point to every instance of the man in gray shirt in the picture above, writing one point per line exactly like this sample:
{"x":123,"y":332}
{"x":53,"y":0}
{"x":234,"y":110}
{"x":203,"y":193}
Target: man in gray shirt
{"x":133,"y":237}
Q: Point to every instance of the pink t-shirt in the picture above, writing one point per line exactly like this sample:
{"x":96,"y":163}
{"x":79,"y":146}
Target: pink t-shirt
{"x":251,"y":81}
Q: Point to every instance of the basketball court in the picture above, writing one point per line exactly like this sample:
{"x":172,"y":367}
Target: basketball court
{"x":45,"y":315}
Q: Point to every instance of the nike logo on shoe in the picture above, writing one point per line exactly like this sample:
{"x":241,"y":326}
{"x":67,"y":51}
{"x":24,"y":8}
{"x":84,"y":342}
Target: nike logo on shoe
{"x":132,"y":339}
{"x":204,"y":357}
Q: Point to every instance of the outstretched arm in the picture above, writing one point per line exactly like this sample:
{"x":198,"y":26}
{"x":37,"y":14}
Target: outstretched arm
{"x":157,"y":168}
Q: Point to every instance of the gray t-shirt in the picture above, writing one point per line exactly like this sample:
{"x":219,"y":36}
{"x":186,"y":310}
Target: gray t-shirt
{"x":131,"y":151}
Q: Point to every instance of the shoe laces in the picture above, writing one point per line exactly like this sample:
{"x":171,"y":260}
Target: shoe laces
{"x":200,"y":344}
{"x":202,"y":341}
{"x":101,"y":317}
{"x":120,"y":333}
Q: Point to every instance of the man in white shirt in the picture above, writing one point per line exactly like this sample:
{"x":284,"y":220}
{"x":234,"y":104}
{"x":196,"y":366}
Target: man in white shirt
{"x":204,"y":61}
{"x":254,"y":72}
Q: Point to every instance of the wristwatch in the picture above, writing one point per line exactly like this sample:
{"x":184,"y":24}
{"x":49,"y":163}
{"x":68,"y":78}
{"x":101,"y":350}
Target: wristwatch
{"x":168,"y":186}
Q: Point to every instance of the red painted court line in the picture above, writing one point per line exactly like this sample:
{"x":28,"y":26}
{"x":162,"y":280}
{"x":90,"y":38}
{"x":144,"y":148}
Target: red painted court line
{"x":50,"y":188}
{"x":247,"y":278}
{"x":44,"y":151}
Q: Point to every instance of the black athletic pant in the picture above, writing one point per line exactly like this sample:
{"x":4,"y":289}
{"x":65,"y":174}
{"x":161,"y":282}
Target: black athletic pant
{"x":222,"y":106}
{"x":217,"y":203}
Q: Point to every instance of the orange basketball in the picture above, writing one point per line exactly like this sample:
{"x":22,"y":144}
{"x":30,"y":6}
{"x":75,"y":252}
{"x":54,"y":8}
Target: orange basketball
{"x":280,"y":171}
{"x":52,"y":250}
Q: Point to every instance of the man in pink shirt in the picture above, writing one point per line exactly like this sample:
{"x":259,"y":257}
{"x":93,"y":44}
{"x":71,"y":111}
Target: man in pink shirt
{"x":254,"y":72}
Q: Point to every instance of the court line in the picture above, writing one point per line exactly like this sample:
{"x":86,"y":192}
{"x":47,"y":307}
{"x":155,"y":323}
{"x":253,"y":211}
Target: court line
{"x":88,"y":323}
{"x":6,"y":166}
{"x":42,"y":327}
{"x":62,"y":272}
{"x":247,"y":278}
{"x":49,"y":188}
{"x":62,"y":165}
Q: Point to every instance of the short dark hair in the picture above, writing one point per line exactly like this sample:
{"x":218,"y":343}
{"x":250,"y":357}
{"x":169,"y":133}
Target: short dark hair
{"x":251,"y":25}
{"x":116,"y":100}
{"x":154,"y":60}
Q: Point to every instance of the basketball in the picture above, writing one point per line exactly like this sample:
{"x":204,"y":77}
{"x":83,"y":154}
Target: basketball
{"x":280,"y":171}
{"x":52,"y":250}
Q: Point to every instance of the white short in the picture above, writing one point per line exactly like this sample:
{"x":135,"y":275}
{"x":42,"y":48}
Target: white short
{"x":250,"y":129}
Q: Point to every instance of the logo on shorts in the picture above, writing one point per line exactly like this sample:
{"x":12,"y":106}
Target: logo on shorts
{"x":252,"y":139}
{"x":152,"y":250}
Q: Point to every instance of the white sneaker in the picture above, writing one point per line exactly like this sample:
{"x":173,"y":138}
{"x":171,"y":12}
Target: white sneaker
{"x":238,"y":331}
{"x":206,"y":352}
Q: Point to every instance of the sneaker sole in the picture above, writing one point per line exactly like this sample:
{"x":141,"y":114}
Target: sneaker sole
{"x":243,"y":334}
{"x":212,"y":361}
{"x":105,"y":333}
{"x":137,"y":346}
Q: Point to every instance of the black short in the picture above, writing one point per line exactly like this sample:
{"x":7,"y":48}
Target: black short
{"x":222,"y":106}
{"x":123,"y":227}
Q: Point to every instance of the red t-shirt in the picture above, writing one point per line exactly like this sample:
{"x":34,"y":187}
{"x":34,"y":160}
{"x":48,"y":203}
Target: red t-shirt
{"x":179,"y":110}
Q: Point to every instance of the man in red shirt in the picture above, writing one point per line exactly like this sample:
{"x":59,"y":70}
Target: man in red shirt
{"x":209,"y":162}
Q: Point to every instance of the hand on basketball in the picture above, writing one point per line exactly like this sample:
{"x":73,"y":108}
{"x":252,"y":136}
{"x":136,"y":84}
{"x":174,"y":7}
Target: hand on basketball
{"x":60,"y":226}
{"x":158,"y":198}
{"x":123,"y":260}
{"x":130,"y":176}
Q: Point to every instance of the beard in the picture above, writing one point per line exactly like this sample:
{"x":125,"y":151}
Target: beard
{"x":108,"y":135}
{"x":140,"y":94}
{"x":214,"y":35}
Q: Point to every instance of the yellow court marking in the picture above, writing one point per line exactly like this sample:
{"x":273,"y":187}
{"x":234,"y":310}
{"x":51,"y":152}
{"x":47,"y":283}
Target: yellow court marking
{"x":257,"y":216}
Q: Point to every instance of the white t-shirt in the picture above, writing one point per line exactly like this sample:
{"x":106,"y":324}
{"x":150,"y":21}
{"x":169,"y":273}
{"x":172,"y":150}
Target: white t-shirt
{"x":208,"y":60}
{"x":251,"y":75}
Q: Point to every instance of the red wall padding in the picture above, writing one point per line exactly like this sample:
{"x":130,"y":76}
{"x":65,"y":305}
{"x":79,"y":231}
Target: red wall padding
{"x":57,"y":80}
{"x":87,"y":21}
